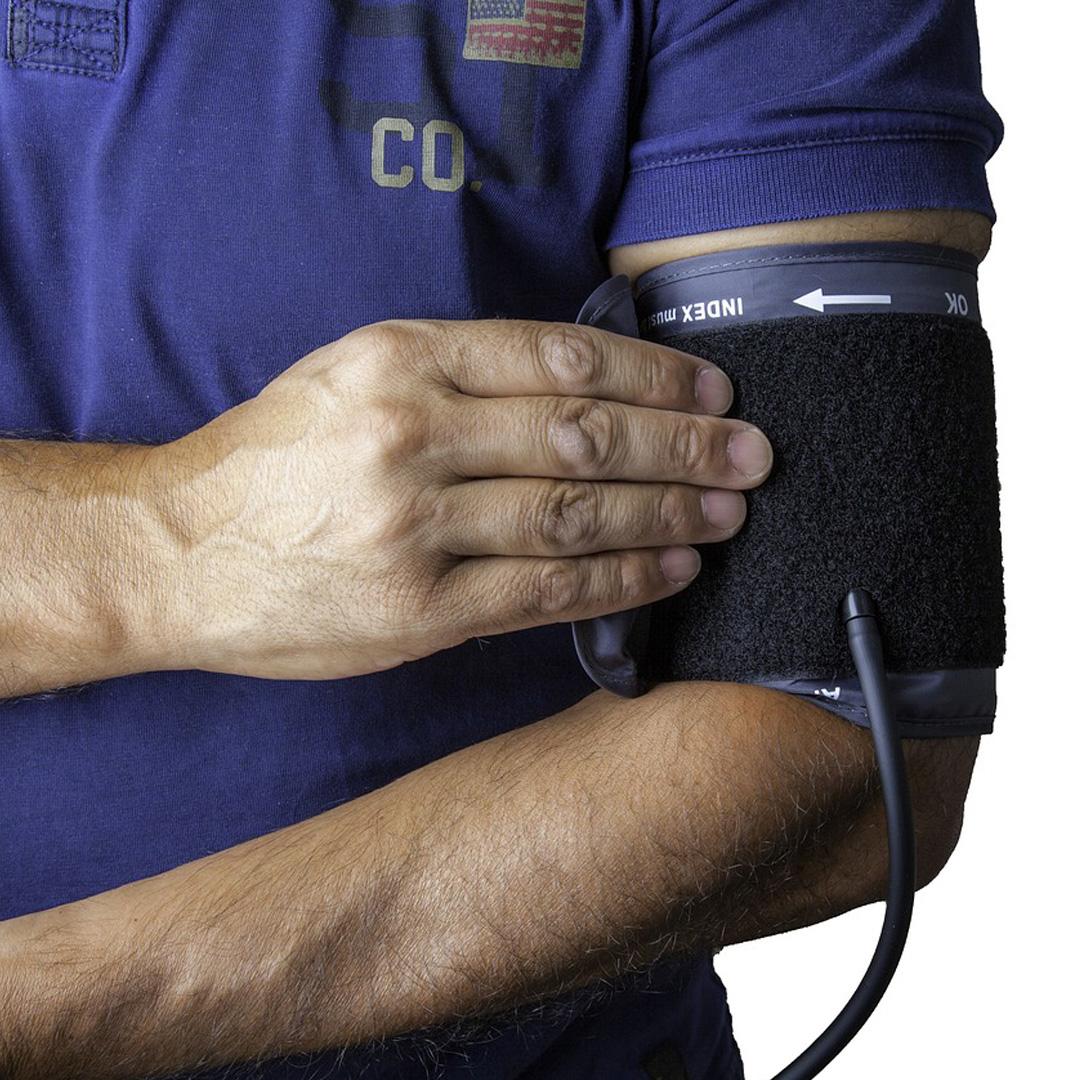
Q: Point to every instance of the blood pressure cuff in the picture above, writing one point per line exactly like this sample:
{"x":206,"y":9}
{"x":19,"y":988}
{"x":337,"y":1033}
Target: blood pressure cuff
{"x":867,"y":367}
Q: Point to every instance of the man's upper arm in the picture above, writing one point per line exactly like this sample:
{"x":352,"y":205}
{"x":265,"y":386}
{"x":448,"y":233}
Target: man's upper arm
{"x":940,"y":768}
{"x":963,"y":229}
{"x":775,"y":122}
{"x":778,"y":123}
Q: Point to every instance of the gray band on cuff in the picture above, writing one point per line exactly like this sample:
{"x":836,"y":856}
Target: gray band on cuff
{"x":710,"y":291}
{"x":961,"y":701}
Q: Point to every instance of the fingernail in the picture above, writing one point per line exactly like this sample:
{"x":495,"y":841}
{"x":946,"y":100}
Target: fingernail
{"x":680,"y":564}
{"x":714,"y":390}
{"x":749,"y":452}
{"x":723,"y":509}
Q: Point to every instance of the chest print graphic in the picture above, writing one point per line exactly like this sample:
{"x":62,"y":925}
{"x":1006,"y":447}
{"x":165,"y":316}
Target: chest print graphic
{"x":426,"y":141}
{"x":547,"y":33}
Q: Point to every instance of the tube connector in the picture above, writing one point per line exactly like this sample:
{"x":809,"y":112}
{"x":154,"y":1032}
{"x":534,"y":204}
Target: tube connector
{"x":858,"y":604}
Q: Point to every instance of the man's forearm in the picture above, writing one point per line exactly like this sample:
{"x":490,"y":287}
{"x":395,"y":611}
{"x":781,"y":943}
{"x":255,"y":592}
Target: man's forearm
{"x":546,"y":858}
{"x":77,"y":564}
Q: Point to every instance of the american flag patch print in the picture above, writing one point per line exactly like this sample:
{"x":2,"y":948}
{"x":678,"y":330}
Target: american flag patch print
{"x":548,"y":33}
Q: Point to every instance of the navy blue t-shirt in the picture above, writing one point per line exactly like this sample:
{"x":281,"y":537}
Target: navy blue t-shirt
{"x":194,"y":195}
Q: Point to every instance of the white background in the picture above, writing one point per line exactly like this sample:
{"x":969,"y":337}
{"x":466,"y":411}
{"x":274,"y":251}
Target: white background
{"x":988,"y":985}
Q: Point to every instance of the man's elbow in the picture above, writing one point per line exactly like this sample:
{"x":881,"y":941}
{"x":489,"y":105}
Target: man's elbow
{"x":939,"y":772}
{"x":847,"y":865}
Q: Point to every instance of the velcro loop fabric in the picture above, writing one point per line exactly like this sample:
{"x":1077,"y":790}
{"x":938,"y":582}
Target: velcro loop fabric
{"x":885,"y":477}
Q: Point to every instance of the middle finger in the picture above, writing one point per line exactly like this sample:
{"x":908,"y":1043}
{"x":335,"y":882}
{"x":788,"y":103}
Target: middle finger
{"x":586,"y":439}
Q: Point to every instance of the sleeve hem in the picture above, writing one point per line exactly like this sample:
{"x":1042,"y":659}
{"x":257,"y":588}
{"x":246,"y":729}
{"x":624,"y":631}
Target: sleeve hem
{"x":715,"y":190}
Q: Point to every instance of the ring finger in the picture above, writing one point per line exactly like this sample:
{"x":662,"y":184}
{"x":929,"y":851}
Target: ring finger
{"x":535,"y":517}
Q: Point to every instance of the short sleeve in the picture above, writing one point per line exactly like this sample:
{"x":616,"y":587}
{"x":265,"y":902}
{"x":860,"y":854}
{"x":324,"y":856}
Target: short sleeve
{"x":755,"y":111}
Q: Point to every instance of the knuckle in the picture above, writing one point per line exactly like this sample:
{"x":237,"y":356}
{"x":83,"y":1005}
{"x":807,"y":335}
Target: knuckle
{"x":585,"y":435}
{"x":398,"y":430}
{"x":558,"y":591}
{"x":411,"y":596}
{"x":405,"y":519}
{"x":334,"y":370}
{"x":664,"y":382}
{"x":439,"y":512}
{"x":383,"y":528}
{"x":333,"y":379}
{"x":570,"y":356}
{"x":351,"y":344}
{"x":693,"y":445}
{"x":403,"y":352}
{"x":634,"y":580}
{"x":385,"y":342}
{"x":675,"y":516}
{"x":566,"y":517}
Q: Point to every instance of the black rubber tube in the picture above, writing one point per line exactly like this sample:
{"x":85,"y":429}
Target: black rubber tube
{"x":864,"y":639}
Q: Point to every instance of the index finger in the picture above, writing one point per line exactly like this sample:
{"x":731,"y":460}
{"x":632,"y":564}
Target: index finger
{"x":519,"y":358}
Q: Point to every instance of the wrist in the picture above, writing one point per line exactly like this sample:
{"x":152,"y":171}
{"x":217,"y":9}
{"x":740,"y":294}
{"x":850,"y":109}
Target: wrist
{"x":85,"y":566}
{"x":166,"y":615}
{"x":128,"y":574}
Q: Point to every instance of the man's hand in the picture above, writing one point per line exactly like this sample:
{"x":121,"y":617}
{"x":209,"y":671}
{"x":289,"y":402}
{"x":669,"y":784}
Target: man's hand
{"x":419,"y":483}
{"x":390,"y":495}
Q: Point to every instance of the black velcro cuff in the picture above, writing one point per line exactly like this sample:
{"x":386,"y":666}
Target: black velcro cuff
{"x":885,"y":478}
{"x":868,"y":369}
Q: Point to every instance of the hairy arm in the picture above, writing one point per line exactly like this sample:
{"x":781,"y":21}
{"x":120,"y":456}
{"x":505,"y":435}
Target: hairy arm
{"x":565,"y":852}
